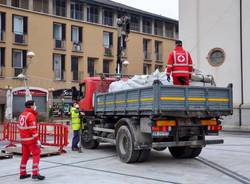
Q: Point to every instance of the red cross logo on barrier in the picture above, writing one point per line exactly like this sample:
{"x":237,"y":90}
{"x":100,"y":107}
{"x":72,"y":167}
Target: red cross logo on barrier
{"x":181,"y":59}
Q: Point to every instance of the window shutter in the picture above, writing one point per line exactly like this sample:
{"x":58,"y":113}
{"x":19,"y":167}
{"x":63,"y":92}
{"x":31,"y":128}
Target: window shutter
{"x":63,"y":32}
{"x":2,"y":56}
{"x":24,"y":58}
{"x":25,"y":25}
{"x":63,"y":62}
{"x":54,"y":32}
{"x":80,"y":34}
{"x":71,"y":33}
{"x":110,"y":39}
{"x":13,"y":23}
{"x":53,"y":61}
{"x":74,"y":63}
{"x":3,"y":21}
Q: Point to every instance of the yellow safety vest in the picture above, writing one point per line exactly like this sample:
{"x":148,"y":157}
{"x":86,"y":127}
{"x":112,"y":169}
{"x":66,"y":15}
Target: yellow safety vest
{"x":75,"y":120}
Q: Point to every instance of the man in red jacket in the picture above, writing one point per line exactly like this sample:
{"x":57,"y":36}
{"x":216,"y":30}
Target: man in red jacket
{"x":180,"y":65}
{"x":30,"y":141}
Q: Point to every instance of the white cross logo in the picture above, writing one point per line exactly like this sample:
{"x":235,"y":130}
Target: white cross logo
{"x":181,"y":58}
{"x":22,"y":120}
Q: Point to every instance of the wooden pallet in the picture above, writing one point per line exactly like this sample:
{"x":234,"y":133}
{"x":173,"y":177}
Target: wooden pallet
{"x":5,"y":155}
{"x":45,"y":151}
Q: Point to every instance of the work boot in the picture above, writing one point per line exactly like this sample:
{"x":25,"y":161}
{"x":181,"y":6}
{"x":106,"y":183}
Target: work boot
{"x":38,"y":177}
{"x":24,"y":176}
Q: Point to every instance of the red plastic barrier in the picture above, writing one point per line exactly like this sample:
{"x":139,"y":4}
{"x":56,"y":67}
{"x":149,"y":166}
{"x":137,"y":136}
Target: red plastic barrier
{"x":49,"y":134}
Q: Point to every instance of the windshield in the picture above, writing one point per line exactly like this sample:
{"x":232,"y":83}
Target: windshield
{"x":82,"y":90}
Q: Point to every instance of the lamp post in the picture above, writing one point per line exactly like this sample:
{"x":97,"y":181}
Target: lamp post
{"x":23,"y":77}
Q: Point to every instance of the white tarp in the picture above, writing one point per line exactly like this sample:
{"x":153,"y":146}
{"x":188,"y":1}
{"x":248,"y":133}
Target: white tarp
{"x":147,"y":80}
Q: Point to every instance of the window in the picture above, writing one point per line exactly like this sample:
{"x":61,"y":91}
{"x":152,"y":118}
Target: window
{"x":41,"y":6}
{"x":76,"y":8}
{"x":59,"y":7}
{"x":216,"y":57}
{"x":146,"y":69}
{"x":2,"y":1}
{"x":59,"y":66}
{"x":59,"y":35}
{"x":106,"y":66}
{"x":76,"y":34}
{"x":92,"y":14}
{"x":107,"y":17}
{"x":135,"y":23}
{"x":169,"y":30}
{"x":20,"y":3}
{"x":75,"y":67}
{"x":2,"y":57}
{"x":158,"y":50}
{"x":19,"y":28}
{"x":158,"y":28}
{"x":107,"y":43}
{"x":146,"y":26}
{"x":91,"y":67}
{"x":2,"y":26}
{"x":146,"y":49}
{"x":18,"y":60}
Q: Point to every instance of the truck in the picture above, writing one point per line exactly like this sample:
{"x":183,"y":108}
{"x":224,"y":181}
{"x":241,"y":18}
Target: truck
{"x":157,"y":117}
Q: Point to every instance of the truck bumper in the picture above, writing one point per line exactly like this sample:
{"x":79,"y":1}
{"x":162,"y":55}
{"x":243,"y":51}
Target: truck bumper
{"x":187,"y":143}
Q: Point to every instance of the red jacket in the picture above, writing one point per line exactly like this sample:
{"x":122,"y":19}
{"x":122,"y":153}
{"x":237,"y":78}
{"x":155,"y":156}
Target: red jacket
{"x":179,"y":63}
{"x":28,"y":127}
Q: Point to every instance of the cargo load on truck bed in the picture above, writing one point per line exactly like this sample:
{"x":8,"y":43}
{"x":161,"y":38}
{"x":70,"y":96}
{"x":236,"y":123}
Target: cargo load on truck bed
{"x":181,"y":101}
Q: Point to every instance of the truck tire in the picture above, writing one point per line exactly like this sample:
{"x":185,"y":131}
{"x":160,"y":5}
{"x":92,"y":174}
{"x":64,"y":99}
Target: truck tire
{"x":160,"y":148}
{"x":87,"y":141}
{"x":144,"y":155}
{"x":184,"y":152}
{"x":125,"y":145}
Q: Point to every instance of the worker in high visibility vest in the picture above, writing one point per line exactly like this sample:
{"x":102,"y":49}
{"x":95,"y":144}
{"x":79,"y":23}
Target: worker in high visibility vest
{"x":75,"y":125}
{"x":180,"y":65}
{"x":30,"y":141}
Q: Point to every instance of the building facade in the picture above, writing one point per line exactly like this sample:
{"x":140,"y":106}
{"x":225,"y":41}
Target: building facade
{"x":216,"y":33}
{"x":73,"y":39}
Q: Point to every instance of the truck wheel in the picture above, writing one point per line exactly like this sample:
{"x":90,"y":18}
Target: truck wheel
{"x":160,"y":148}
{"x":184,"y":152}
{"x":125,"y":146}
{"x":87,"y":141}
{"x":144,"y":155}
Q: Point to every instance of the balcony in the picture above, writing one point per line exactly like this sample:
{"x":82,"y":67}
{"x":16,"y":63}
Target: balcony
{"x":59,"y":75}
{"x":77,"y":47}
{"x":60,"y":11}
{"x":108,"y":52}
{"x":2,"y":36}
{"x":75,"y":14}
{"x":159,"y":31}
{"x":20,"y":38}
{"x":147,"y":55}
{"x":60,"y":44}
{"x":2,"y":71}
{"x":147,"y":29}
{"x":158,"y":56}
{"x":17,"y":71}
{"x":134,"y":26}
{"x":108,"y":21}
{"x":77,"y":76}
{"x":94,"y":18}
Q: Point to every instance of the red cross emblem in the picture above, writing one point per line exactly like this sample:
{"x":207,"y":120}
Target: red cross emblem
{"x":181,"y":59}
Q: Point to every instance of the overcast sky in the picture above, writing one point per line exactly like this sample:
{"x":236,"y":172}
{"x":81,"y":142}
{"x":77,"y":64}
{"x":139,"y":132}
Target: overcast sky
{"x":168,"y":8}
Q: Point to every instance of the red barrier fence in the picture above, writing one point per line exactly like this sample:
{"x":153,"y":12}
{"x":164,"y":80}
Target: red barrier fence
{"x":49,"y":134}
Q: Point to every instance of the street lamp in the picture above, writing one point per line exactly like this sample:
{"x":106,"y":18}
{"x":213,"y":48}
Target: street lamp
{"x":125,"y":63}
{"x":22,"y":76}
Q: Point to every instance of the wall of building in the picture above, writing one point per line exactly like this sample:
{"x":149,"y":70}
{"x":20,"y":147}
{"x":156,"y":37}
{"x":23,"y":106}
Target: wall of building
{"x":213,"y":24}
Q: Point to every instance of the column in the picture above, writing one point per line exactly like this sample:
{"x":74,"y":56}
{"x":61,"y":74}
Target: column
{"x":85,"y":12}
{"x":153,"y":27}
{"x":141,"y":23}
{"x":51,"y":7}
{"x":100,"y":15}
{"x":30,"y":4}
{"x":8,"y":2}
{"x":115,"y":19}
{"x":164,"y":29}
{"x":68,"y":9}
